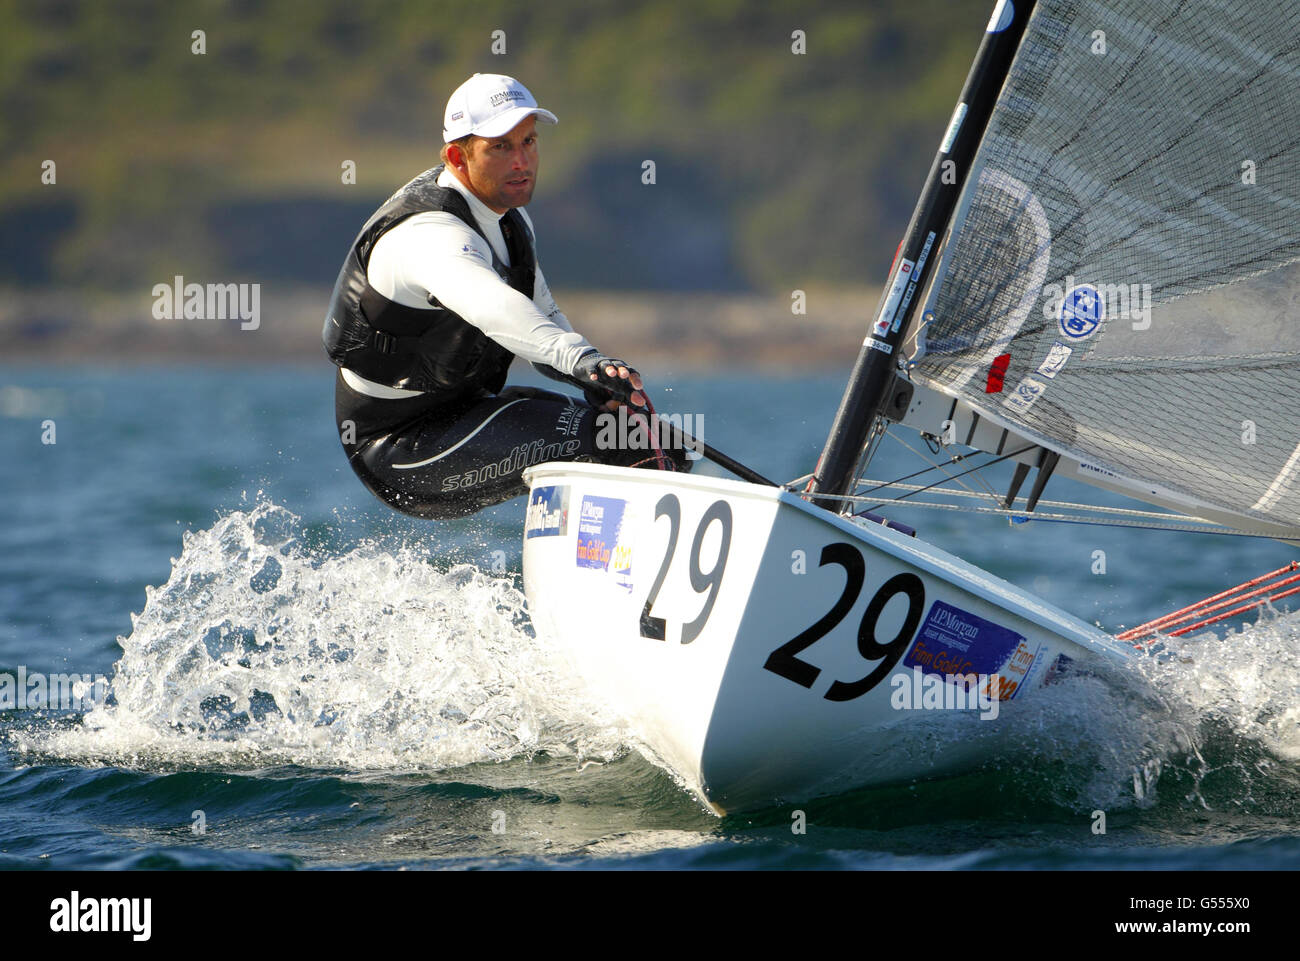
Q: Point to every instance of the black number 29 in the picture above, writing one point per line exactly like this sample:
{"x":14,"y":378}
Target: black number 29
{"x":701,"y":581}
{"x":784,"y":662}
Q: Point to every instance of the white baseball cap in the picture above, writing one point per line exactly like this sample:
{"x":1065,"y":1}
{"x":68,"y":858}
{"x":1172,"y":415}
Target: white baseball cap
{"x":490,"y":104}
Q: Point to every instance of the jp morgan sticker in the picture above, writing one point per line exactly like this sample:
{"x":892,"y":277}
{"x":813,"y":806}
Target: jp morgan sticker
{"x":1082,"y":312}
{"x":548,"y":512}
{"x":954,"y":642}
{"x":600,"y":521}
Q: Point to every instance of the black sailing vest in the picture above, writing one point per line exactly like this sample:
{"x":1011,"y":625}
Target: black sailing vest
{"x":429,"y":349}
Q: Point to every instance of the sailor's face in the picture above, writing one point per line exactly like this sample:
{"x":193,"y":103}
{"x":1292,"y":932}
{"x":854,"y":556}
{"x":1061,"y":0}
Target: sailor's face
{"x":502,"y":171}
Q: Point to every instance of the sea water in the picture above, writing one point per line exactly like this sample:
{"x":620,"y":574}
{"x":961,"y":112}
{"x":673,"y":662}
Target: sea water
{"x":299,"y":677}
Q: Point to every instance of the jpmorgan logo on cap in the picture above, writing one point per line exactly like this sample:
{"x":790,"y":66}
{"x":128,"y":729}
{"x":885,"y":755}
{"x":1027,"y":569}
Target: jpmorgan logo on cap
{"x":506,"y":95}
{"x":490,"y":105}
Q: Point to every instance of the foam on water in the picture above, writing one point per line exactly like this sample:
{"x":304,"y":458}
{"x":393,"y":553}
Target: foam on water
{"x":1195,"y":707}
{"x":1208,"y":720}
{"x":258,"y":650}
{"x":1081,"y":743}
{"x":1238,"y":697}
{"x":1205,"y":721}
{"x":1247,"y":681}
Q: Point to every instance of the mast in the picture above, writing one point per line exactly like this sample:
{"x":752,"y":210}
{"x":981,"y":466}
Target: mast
{"x":867,"y":395}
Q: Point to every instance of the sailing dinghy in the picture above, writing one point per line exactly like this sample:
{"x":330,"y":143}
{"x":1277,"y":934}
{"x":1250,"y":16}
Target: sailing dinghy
{"x":1099,"y":282}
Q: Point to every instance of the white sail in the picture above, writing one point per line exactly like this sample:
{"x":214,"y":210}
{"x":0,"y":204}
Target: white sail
{"x":1121,"y":284}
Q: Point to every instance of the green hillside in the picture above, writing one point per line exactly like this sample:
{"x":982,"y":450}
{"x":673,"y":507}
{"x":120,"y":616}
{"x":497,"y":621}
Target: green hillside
{"x":773,"y":169}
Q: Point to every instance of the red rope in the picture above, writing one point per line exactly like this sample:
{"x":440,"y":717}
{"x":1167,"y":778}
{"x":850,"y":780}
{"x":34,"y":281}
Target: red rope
{"x":660,"y":458}
{"x":1244,"y":607}
{"x":1214,"y":603}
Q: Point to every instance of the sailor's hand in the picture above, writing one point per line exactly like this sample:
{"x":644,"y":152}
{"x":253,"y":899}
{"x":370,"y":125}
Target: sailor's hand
{"x":614,"y":378}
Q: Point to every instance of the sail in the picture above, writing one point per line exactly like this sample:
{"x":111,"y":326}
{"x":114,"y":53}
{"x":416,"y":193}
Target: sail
{"x":1121,"y":282}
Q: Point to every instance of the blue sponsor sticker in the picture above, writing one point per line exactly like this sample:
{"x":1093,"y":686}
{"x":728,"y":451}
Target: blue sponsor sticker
{"x":953,"y":641}
{"x":600,"y":520}
{"x":548,"y":512}
{"x":1082,"y":312}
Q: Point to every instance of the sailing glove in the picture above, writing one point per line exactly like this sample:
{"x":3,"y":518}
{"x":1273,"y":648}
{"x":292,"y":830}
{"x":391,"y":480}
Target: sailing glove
{"x":589,"y":374}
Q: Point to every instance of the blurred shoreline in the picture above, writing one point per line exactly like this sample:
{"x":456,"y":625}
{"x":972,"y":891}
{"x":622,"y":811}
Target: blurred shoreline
{"x":681,"y":330}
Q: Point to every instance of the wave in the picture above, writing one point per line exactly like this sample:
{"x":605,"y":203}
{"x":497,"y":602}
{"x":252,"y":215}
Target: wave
{"x":259,"y":650}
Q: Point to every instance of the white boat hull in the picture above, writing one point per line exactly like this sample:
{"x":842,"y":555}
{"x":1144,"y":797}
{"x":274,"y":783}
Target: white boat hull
{"x":780,"y":641}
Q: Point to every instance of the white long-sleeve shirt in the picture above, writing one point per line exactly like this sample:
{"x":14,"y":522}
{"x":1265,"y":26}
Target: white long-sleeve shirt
{"x":437,"y":253}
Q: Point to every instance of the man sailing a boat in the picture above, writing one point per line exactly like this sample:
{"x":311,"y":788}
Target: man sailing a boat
{"x":439,"y":292}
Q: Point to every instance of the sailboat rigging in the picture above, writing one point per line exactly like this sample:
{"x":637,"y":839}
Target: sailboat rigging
{"x":1159,"y":364}
{"x":1099,"y":282}
{"x":867,"y":397}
